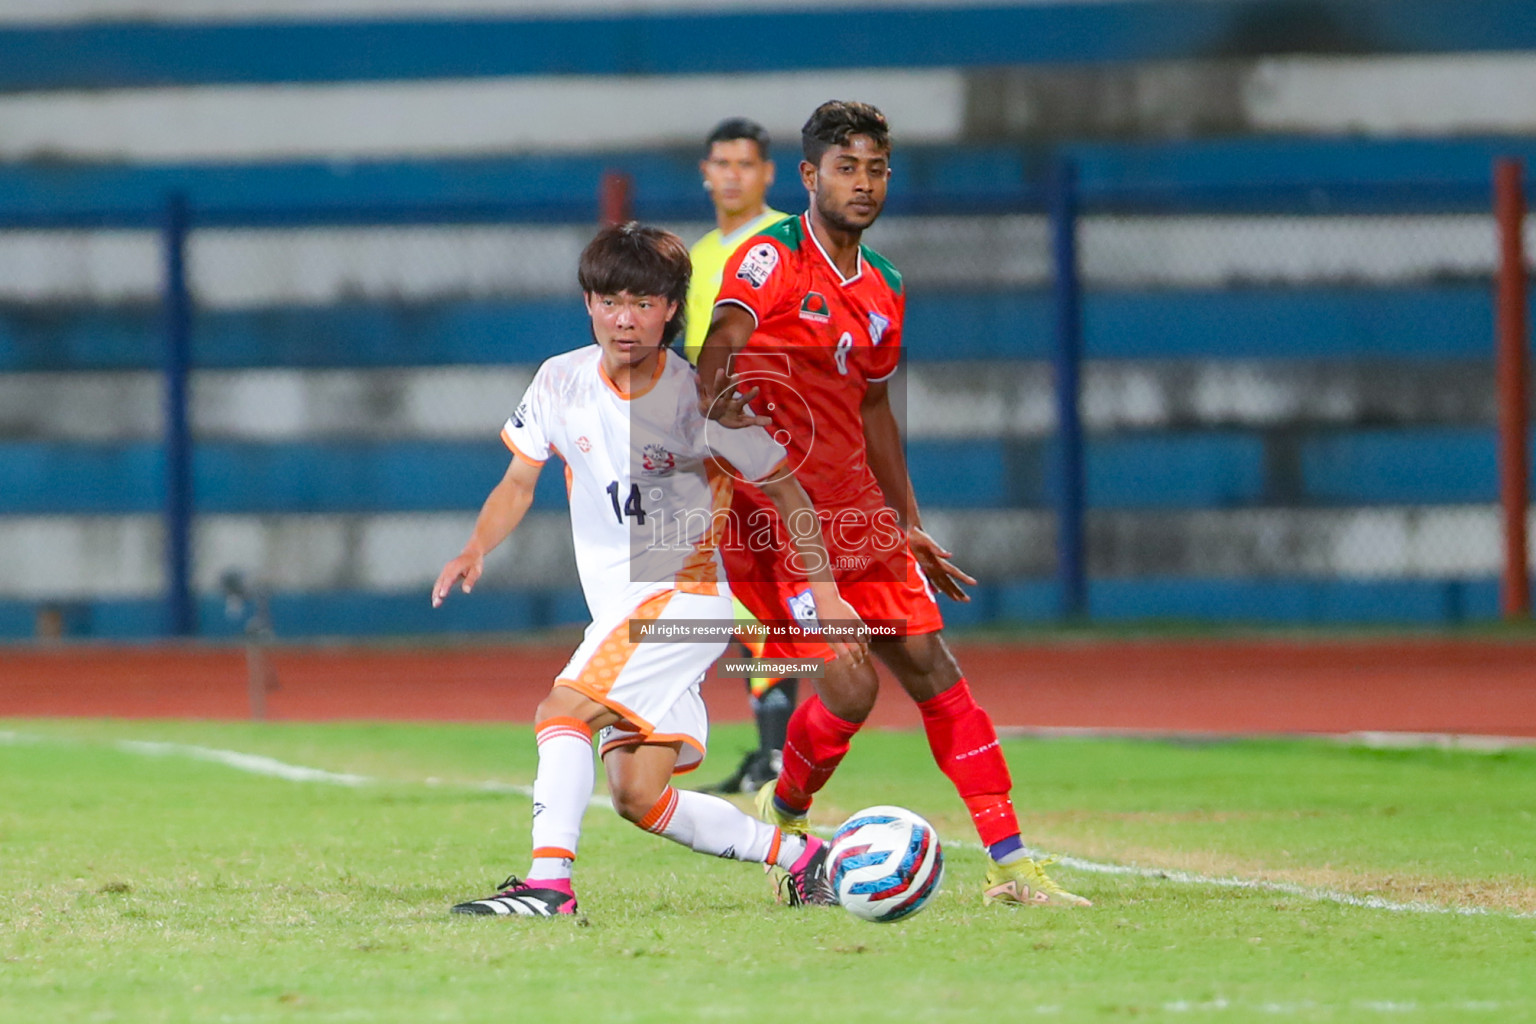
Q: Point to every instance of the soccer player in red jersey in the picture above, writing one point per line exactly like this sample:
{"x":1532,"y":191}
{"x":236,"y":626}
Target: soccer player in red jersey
{"x":812,"y":320}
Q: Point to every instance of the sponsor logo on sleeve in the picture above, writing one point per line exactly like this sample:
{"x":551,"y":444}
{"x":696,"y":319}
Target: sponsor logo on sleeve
{"x":757,"y":264}
{"x":520,"y":417}
{"x":803,"y":607}
{"x":814,"y":308}
{"x":877,"y":326}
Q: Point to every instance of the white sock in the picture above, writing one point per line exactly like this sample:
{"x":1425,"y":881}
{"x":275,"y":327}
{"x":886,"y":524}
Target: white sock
{"x":561,"y":789}
{"x":708,"y":824}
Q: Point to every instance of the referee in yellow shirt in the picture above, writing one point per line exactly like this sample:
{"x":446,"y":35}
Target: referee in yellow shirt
{"x":737,"y":176}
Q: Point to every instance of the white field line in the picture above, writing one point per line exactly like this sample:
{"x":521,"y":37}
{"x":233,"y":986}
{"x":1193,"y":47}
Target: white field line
{"x":258,"y":764}
{"x":1285,"y":888}
{"x":1465,"y":742}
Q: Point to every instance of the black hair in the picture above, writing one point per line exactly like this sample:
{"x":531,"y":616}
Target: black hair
{"x":733,"y":128}
{"x":835,"y":121}
{"x":641,"y":260}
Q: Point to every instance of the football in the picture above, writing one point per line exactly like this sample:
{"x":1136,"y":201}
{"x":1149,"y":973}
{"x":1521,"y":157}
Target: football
{"x":885,"y":864}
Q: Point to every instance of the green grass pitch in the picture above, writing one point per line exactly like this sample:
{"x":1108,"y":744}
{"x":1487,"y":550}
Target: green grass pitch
{"x":154,"y":883}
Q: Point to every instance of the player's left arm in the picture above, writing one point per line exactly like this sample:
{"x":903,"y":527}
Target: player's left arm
{"x":799,"y":517}
{"x":882,"y":443}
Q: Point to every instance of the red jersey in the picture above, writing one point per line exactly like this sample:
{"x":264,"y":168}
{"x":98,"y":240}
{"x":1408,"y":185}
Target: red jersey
{"x":821,"y":340}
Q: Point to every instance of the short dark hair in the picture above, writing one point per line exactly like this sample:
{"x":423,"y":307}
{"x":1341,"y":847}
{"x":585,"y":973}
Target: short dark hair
{"x":832,"y":123}
{"x":733,"y":128}
{"x":641,"y":260}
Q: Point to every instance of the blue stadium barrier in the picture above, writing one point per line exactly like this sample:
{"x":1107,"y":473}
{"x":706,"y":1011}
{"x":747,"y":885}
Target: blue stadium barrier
{"x":1310,"y":602}
{"x":1283,"y":173}
{"x":1205,"y":470}
{"x":1403,"y":466}
{"x":96,"y":55}
{"x":53,"y":477}
{"x":1161,"y":470}
{"x":974,"y":473}
{"x":1444,"y":321}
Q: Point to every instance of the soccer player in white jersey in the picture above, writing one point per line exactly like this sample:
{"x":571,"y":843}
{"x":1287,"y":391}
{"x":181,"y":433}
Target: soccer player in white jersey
{"x":650,"y":485}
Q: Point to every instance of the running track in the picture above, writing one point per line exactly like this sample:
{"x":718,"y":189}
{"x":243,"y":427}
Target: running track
{"x":1216,"y":686}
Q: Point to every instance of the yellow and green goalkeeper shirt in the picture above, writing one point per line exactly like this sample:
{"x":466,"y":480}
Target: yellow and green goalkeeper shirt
{"x":709,"y":255}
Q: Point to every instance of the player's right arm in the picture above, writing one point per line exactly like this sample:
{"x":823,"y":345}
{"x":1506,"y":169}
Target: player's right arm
{"x":504,"y":508}
{"x":719,"y":400}
{"x":753,"y":287}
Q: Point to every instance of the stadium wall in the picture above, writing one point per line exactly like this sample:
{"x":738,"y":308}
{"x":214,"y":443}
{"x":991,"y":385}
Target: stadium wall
{"x":1288,"y":385}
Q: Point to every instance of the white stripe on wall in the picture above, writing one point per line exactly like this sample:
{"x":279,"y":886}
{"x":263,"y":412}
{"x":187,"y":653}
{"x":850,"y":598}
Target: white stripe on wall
{"x":64,"y":11}
{"x":1397,"y":95}
{"x":938,"y":400}
{"x":233,"y":269}
{"x":454,"y":117}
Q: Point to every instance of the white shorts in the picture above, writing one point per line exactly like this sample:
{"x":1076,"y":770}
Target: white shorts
{"x":654,"y":685}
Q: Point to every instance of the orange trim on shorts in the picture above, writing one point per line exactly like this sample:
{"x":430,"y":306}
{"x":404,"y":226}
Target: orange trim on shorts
{"x":607,"y":662}
{"x":629,"y":717}
{"x":640,"y":739}
{"x":660,"y":815}
{"x":553,"y":851}
{"x":506,"y":439}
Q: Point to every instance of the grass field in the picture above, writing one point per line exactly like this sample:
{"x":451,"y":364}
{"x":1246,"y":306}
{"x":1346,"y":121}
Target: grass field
{"x":144,"y":880}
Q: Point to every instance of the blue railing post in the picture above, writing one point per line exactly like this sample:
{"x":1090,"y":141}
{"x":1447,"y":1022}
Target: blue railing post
{"x":1071,"y":556}
{"x":176,"y":301}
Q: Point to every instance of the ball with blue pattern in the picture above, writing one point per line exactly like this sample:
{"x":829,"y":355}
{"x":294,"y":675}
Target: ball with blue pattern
{"x":886,"y":864}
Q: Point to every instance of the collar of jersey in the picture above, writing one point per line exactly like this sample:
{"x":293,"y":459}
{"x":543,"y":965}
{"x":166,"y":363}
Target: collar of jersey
{"x":858,"y":256}
{"x":661,"y":361}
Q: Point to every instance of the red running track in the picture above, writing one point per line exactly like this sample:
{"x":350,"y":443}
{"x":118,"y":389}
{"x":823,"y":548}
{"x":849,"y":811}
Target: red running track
{"x":1217,"y":686}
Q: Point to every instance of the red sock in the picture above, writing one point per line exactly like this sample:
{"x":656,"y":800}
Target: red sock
{"x":813,"y":747}
{"x":964,"y":743}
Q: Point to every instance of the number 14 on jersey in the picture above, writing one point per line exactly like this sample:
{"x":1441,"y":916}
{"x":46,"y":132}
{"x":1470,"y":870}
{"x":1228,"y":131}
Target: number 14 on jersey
{"x":632,"y":506}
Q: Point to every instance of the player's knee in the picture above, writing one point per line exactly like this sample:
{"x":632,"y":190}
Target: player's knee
{"x":562,"y":702}
{"x":854,"y":706}
{"x":632,"y":799}
{"x":922,"y":664}
{"x":850,"y":695}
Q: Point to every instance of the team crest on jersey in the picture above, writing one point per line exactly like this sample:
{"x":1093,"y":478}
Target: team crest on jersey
{"x":877,"y":326}
{"x":657,"y":461}
{"x":814,"y":308}
{"x":757,"y":264}
{"x":583,"y":443}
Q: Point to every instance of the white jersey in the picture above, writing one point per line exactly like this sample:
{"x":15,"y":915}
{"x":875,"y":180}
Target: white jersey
{"x":649,"y":477}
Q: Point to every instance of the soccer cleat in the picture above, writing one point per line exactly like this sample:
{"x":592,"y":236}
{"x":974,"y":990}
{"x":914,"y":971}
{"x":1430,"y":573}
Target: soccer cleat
{"x":768,"y":810}
{"x":519,"y":899}
{"x":1025,"y":883}
{"x":805,"y":884}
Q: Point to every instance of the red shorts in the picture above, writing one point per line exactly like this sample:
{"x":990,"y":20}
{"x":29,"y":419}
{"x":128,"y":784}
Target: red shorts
{"x":907,"y":603}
